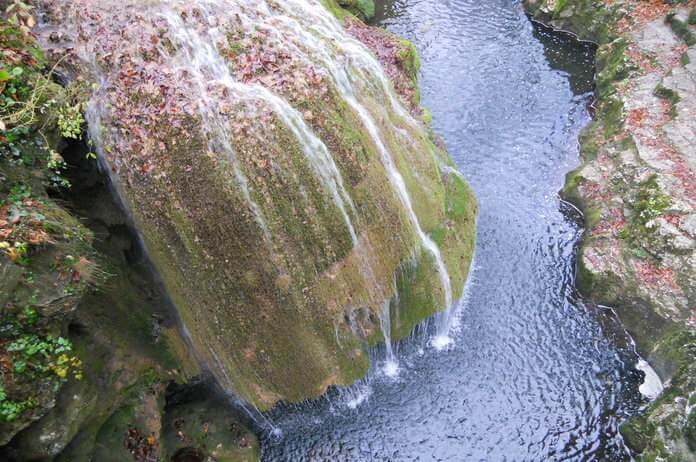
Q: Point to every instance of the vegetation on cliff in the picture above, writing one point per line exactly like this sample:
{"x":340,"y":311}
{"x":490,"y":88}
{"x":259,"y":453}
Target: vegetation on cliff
{"x":83,"y":336}
{"x":636,"y":187}
{"x":46,"y":258}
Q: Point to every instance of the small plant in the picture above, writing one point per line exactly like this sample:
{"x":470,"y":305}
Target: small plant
{"x":18,"y":193}
{"x":30,"y":315}
{"x":18,"y":253}
{"x":20,"y":14}
{"x":10,"y":410}
{"x":45,"y":356}
{"x":70,"y":121}
{"x":681,"y":28}
{"x":56,"y":166}
{"x":650,"y":204}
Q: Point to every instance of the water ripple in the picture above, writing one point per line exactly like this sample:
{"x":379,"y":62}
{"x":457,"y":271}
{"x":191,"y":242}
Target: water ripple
{"x":533,"y":373}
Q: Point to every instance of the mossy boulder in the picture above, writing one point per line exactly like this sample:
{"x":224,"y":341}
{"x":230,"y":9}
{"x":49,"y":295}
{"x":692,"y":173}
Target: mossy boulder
{"x":203,"y":426}
{"x":363,"y":9}
{"x":666,"y":428}
{"x":589,"y":19}
{"x":272,"y":208}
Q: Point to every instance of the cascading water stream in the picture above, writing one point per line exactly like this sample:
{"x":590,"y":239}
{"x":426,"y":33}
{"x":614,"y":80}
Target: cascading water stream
{"x":391,"y":364}
{"x":352,"y":53}
{"x":199,"y":56}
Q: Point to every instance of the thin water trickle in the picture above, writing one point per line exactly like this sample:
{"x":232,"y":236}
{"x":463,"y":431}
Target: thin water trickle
{"x":391,"y":364}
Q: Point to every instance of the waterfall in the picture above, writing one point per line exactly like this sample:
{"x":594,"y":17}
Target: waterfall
{"x":352,"y":52}
{"x":444,"y":321}
{"x":391,"y":365}
{"x":187,"y":88}
{"x":197,"y":54}
{"x":318,"y":32}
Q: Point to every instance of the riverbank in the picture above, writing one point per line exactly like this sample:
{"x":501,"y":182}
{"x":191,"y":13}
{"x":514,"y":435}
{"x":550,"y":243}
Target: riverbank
{"x":637,"y":189}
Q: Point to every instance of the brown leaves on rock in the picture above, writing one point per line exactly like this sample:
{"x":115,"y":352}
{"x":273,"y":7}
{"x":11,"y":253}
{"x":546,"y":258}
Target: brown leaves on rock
{"x":641,"y":12}
{"x":22,"y":223}
{"x":655,"y":276}
{"x":142,"y":448}
{"x":389,"y":51}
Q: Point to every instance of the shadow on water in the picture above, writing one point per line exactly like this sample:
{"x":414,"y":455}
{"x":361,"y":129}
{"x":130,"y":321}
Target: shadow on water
{"x":534,"y":373}
{"x":570,"y":56}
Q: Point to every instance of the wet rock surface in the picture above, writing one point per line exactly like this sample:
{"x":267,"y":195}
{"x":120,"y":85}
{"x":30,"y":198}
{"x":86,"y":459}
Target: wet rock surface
{"x":637,"y":187}
{"x":282,"y":189}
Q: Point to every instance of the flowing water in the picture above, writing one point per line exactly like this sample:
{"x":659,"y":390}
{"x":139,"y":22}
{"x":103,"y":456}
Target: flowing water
{"x":321,"y":32}
{"x":531,"y":372}
{"x":198,"y":54}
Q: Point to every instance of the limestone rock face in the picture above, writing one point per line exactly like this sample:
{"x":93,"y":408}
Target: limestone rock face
{"x":637,"y":188}
{"x":286,"y":194}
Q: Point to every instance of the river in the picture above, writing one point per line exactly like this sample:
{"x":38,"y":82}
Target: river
{"x":533,"y":373}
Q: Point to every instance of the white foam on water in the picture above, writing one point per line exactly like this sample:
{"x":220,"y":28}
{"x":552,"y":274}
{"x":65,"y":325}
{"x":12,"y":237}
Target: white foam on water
{"x":391,"y":368}
{"x":652,"y":386}
{"x":357,"y":395}
{"x":441,"y":342}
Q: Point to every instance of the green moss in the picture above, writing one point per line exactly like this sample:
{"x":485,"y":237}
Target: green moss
{"x":681,"y":29}
{"x":363,"y":9}
{"x":649,"y":203}
{"x":612,"y":116}
{"x":560,"y":7}
{"x":417,"y":299}
{"x":585,"y":279}
{"x":638,"y":432}
{"x":409,"y":59}
{"x":335,"y":9}
{"x":570,"y":190}
{"x":690,"y":430}
{"x":685,"y":60}
{"x":613,"y":65}
{"x":671,"y":96}
{"x":582,"y":17}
